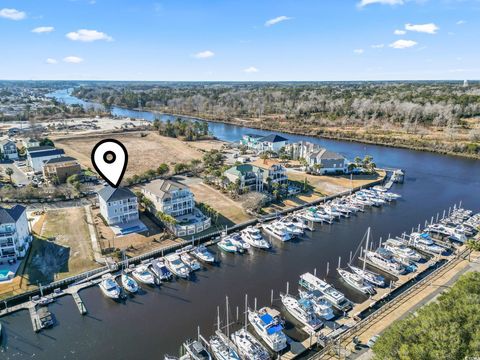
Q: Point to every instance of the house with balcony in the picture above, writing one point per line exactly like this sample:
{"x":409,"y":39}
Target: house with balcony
{"x":8,"y":149}
{"x":175,"y":199}
{"x":273,"y":172}
{"x":118,"y":205}
{"x":248,"y":177}
{"x":15,"y":237}
{"x":261,"y":143}
{"x":325,"y":162}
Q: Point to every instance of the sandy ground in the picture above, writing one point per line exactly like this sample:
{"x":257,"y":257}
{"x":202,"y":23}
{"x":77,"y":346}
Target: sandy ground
{"x":145,"y":153}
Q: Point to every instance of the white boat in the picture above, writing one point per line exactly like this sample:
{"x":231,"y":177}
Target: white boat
{"x":196,"y":350}
{"x":302,"y":310}
{"x":321,"y":306}
{"x":423,"y":241}
{"x":370,"y":276}
{"x":160,"y":270}
{"x":299,"y":222}
{"x":331,"y":211}
{"x":129,"y":283}
{"x":202,"y":253}
{"x":142,"y":274}
{"x":253,"y":236}
{"x":248,"y":346}
{"x":226,"y":245}
{"x":269,"y":326}
{"x":176,"y":266}
{"x":335,"y":297}
{"x":383,"y":259}
{"x":109,"y":286}
{"x":221,"y":347}
{"x":237,"y":240}
{"x":293,"y":228}
{"x":398,"y":247}
{"x":356,"y":282}
{"x":190,"y":261}
{"x":277,"y":230}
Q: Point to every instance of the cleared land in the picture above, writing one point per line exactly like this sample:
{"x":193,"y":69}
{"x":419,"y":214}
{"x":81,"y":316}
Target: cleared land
{"x":146,"y":149}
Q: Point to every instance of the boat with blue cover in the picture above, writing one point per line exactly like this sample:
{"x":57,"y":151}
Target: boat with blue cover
{"x":269,"y":326}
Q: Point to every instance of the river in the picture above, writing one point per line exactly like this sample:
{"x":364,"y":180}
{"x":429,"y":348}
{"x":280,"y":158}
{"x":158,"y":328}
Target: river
{"x":158,"y":320}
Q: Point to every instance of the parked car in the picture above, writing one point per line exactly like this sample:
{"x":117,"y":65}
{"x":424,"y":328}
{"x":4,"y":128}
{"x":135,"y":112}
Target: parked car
{"x":372,"y":341}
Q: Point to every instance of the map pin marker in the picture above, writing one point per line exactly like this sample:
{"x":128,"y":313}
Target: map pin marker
{"x":110,"y":158}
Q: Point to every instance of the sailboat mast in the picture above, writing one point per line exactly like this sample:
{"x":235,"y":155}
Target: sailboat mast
{"x":246,"y":310}
{"x":218,"y":317}
{"x":366,"y":248}
{"x":228,"y":323}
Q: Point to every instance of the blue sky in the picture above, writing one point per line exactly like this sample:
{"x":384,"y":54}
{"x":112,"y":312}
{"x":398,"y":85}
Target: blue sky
{"x":244,"y":40}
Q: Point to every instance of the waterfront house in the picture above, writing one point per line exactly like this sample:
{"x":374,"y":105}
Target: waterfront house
{"x":301,"y":149}
{"x":175,"y":199}
{"x":58,"y":170}
{"x":31,"y":143}
{"x":273,"y":172}
{"x":247,"y":176}
{"x":118,"y":205}
{"x":9,"y":149}
{"x":262,"y":143}
{"x":39,"y":155}
{"x":327,"y":162}
{"x":15,"y":237}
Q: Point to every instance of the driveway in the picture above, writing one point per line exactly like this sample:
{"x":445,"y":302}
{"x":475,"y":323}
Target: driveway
{"x":18,"y":176}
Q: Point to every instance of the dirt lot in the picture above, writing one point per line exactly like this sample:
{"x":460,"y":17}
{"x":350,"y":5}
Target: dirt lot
{"x":136,"y":243}
{"x":144,"y":152}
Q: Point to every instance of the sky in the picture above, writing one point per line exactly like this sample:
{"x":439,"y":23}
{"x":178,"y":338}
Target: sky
{"x":239,"y":40}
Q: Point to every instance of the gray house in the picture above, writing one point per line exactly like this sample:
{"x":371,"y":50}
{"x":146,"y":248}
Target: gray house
{"x":328,"y":162}
{"x":9,"y":149}
{"x":15,"y":235}
{"x":118,"y":205}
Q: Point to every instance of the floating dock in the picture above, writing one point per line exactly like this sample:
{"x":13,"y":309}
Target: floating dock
{"x":79,"y":302}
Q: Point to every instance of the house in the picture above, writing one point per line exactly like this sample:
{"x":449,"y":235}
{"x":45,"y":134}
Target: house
{"x":176,"y":200}
{"x":327,"y":162}
{"x":301,"y":149}
{"x":262,"y":143}
{"x":58,"y":170}
{"x":273,"y":172}
{"x":247,"y":176}
{"x":118,"y":205}
{"x":39,"y":155}
{"x":15,"y":237}
{"x":30,"y":143}
{"x":9,"y":149}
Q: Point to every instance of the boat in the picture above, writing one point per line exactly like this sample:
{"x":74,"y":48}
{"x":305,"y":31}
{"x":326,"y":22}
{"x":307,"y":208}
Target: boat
{"x":248,"y":346}
{"x":161,"y":271}
{"x":176,"y":266}
{"x":129,"y":283}
{"x":299,"y":222}
{"x":293,"y":228}
{"x":253,"y":236}
{"x":398,"y":247}
{"x":142,"y":274}
{"x":329,"y":210}
{"x":335,"y":297}
{"x":222,"y":348}
{"x":312,"y":215}
{"x":202,"y":253}
{"x":383,"y":259}
{"x":226,"y":245}
{"x":370,"y":276}
{"x":423,"y":241}
{"x":277,"y":230}
{"x":43,"y":300}
{"x":196,"y":350}
{"x":356,"y":282}
{"x":302,"y":310}
{"x":190,"y":261}
{"x":269,"y":326}
{"x":109,"y":286}
{"x":237,"y":240}
{"x":321,"y":306}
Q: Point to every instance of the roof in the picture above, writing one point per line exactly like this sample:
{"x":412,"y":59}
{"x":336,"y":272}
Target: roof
{"x":162,"y":187}
{"x":60,"y":160}
{"x":46,"y":153}
{"x":4,"y":142}
{"x":11,"y":215}
{"x":109,"y":193}
{"x":273,"y":138}
{"x":255,"y":136}
{"x":40,"y":148}
{"x":325,"y":154}
{"x":265,"y":164}
{"x":242,"y":169}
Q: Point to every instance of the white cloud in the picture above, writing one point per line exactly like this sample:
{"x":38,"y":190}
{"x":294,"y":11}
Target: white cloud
{"x":363,"y":3}
{"x":399,"y":32}
{"x":429,"y":28}
{"x":251,"y":70}
{"x":358,"y":51}
{"x":12,"y":14}
{"x":277,"y":20}
{"x":403,"y":44}
{"x":377,"y":46}
{"x":85,"y":35}
{"x":43,"y":29}
{"x":51,"y":61}
{"x":73,"y":59}
{"x":204,"y":54}
{"x":461,"y":22}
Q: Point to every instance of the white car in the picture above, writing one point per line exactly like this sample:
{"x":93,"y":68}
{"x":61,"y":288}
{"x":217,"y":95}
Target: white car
{"x":372,"y":341}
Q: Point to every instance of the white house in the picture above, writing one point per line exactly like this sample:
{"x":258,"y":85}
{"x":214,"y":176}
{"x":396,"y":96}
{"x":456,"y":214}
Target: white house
{"x":262,"y":143}
{"x":9,"y":149}
{"x":31,"y":143}
{"x":15,"y":237}
{"x":39,"y":155}
{"x":248,"y":177}
{"x":273,"y":172}
{"x":176,"y":200}
{"x":118,"y":205}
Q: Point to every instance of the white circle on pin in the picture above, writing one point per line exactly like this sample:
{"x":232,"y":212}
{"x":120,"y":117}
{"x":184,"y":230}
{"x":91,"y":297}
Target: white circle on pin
{"x":110,"y":158}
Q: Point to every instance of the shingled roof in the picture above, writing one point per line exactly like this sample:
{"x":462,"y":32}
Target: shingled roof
{"x":11,"y":215}
{"x":109,"y":193}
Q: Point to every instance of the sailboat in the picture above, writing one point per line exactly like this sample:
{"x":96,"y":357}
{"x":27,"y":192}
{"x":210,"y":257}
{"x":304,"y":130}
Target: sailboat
{"x":221,"y":346}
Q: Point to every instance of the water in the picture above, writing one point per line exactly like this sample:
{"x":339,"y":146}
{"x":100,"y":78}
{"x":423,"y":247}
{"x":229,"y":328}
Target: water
{"x":159,"y":320}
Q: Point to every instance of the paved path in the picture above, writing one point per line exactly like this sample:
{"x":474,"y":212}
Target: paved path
{"x":97,"y":253}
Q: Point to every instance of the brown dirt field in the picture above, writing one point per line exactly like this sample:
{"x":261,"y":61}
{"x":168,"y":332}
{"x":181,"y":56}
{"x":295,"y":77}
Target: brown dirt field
{"x":136,"y":243}
{"x":144,"y":152}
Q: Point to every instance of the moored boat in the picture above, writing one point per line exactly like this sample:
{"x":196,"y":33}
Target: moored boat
{"x":269,"y":326}
{"x":142,"y":274}
{"x":128,"y":283}
{"x":109,"y":286}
